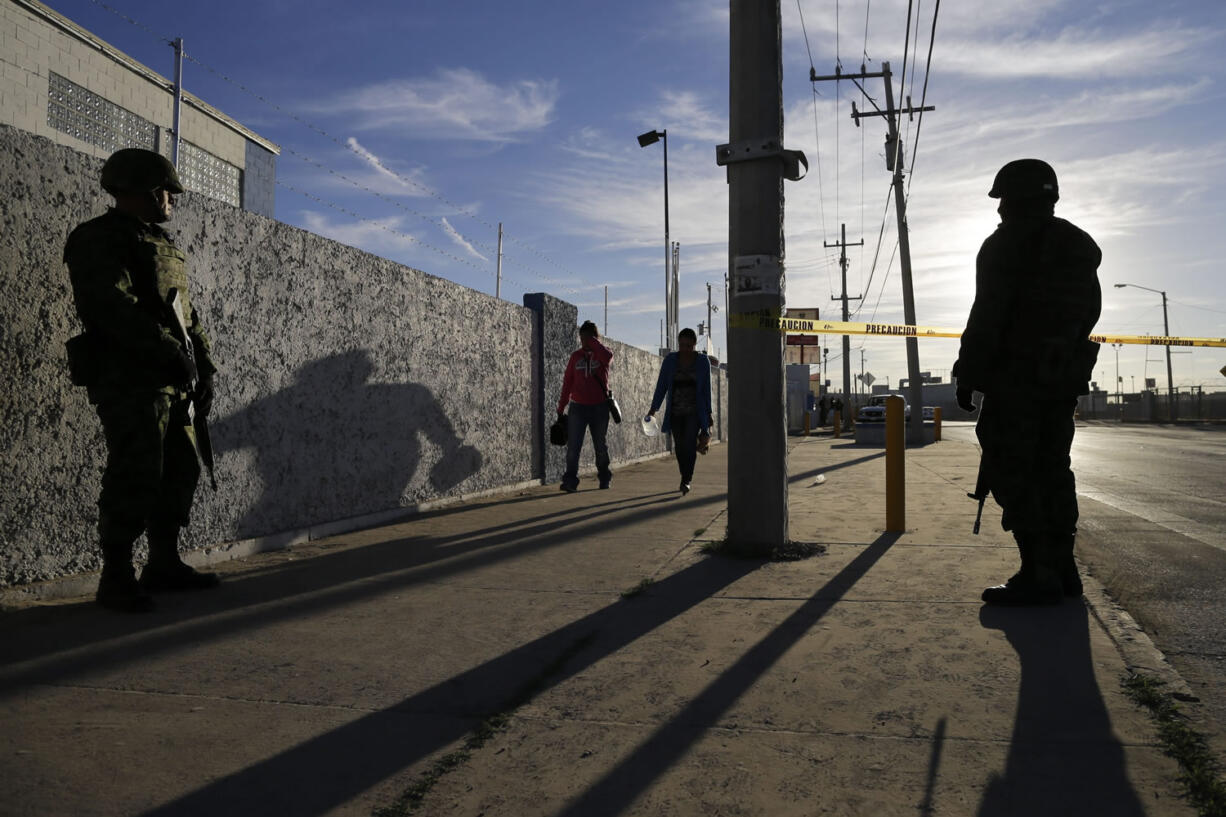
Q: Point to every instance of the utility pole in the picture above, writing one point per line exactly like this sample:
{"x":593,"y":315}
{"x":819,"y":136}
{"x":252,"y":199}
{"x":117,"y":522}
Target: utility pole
{"x":498,"y":279}
{"x":843,"y":245}
{"x":755,"y":161}
{"x":894,"y":161}
{"x":710,"y":309}
{"x":178,"y":100}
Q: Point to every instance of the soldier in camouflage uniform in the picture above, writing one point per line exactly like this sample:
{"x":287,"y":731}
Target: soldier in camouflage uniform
{"x":123,"y":265}
{"x":1026,"y":347}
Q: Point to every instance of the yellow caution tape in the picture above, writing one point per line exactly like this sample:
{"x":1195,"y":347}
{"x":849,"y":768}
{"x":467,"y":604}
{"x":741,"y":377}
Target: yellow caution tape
{"x":804,"y":326}
{"x":1158,"y":340}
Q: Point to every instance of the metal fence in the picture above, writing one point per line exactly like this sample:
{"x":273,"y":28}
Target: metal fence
{"x":1153,"y":407}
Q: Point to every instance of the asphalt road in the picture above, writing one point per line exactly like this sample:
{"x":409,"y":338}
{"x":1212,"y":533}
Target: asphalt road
{"x":1153,"y":531}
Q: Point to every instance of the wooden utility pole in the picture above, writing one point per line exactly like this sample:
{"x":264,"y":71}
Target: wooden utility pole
{"x":843,"y":245}
{"x":755,"y":160}
{"x":894,"y":160}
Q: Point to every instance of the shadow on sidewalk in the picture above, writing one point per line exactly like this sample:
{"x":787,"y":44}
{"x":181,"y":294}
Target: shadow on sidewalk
{"x":343,"y":763}
{"x":617,"y":790}
{"x":1064,"y":758}
{"x":67,"y":639}
{"x":80,"y":638}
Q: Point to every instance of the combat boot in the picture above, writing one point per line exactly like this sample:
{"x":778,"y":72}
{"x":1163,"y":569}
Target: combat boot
{"x":166,"y":571}
{"x":1070,"y":580}
{"x":1035,"y":583}
{"x":117,"y":586}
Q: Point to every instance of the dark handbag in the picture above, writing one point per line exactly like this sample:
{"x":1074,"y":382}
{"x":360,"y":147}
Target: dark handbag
{"x":559,"y":432}
{"x":615,"y":410}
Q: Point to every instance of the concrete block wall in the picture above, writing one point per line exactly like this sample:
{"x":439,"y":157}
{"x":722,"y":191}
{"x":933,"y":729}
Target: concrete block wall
{"x":352,"y":389}
{"x":35,"y":41}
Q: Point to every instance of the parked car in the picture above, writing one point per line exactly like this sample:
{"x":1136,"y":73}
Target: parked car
{"x":874,"y":411}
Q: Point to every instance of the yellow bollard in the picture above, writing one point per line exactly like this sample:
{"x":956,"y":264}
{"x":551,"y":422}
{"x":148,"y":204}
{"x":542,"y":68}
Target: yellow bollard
{"x":936,"y":424}
{"x":836,"y":423}
{"x":895,"y":466}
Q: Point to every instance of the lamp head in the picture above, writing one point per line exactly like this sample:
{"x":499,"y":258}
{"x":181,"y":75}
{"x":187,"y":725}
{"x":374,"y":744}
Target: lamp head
{"x":649,"y":138}
{"x":1117,"y":286}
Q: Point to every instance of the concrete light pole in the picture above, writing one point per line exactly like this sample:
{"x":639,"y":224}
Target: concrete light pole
{"x":1173,"y":410}
{"x":670,"y":331}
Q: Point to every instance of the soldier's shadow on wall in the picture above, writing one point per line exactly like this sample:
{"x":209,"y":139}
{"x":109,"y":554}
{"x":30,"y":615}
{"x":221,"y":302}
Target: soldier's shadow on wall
{"x":334,"y":445}
{"x":1064,"y":757}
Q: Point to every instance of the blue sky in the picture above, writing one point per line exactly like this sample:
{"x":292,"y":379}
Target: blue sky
{"x":461,"y":115}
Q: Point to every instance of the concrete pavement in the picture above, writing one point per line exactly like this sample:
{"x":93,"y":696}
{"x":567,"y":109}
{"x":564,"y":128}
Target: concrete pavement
{"x":332,"y":678}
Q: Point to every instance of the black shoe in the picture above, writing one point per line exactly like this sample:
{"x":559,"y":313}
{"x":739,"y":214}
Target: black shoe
{"x":118,"y":590}
{"x":685,"y":488}
{"x":176,"y":576}
{"x":569,"y":489}
{"x":1025,"y":591}
{"x":604,"y":486}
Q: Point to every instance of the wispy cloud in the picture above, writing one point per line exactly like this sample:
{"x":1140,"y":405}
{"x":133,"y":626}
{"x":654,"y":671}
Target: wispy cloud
{"x":382,"y":236}
{"x":455,"y":103}
{"x":460,"y":240}
{"x":1074,"y":52}
{"x":409,"y":183}
{"x":690,"y":116}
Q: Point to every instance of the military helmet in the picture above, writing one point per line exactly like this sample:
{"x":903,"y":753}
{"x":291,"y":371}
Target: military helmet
{"x":136,"y":170}
{"x":1025,"y":179}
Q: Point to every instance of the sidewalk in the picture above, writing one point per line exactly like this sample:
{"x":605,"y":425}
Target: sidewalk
{"x":329,"y":679}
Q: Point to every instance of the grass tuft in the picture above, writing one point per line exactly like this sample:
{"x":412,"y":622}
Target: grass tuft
{"x":638,"y":590}
{"x":1198,"y":769}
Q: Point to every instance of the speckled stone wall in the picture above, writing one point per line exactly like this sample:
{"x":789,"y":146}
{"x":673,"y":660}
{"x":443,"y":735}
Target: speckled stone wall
{"x":349,"y":385}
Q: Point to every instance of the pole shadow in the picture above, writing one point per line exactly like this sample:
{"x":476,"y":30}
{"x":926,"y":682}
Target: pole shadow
{"x":618,"y":789}
{"x":1064,"y":758}
{"x":346,"y":761}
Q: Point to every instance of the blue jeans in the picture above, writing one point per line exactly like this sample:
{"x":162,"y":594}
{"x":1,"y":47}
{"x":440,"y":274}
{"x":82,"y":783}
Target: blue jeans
{"x":578,"y":418}
{"x":685,"y":443}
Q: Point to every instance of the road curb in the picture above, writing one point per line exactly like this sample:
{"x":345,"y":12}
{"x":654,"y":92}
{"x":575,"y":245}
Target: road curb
{"x":1139,"y":652}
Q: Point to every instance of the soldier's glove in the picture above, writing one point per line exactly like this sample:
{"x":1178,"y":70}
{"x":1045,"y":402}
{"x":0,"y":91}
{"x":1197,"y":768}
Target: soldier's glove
{"x":204,"y":395}
{"x":964,"y":400}
{"x":182,"y":370}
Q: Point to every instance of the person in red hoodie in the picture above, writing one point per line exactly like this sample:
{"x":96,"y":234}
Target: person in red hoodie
{"x":585,"y":388}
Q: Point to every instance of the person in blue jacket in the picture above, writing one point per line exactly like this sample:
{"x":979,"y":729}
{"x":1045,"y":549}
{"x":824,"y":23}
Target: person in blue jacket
{"x":685,"y":382}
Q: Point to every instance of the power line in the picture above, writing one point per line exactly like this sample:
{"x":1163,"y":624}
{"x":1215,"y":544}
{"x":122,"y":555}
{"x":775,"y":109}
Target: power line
{"x":924,"y":97}
{"x":898,"y":143}
{"x":884,"y":281}
{"x":877,"y":253}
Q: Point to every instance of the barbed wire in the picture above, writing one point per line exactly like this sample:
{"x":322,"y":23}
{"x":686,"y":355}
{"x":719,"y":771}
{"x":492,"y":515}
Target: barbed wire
{"x":460,"y":210}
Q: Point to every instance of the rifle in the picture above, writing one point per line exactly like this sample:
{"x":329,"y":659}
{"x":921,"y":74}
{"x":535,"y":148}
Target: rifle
{"x":981,"y":491}
{"x":200,"y":422}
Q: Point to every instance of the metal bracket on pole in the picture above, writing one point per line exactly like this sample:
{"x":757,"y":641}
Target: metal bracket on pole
{"x":754,"y":149}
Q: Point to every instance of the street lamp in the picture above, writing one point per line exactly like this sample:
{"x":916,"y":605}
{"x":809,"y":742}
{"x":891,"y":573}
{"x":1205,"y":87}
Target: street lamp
{"x":645,"y":139}
{"x":1166,"y":330}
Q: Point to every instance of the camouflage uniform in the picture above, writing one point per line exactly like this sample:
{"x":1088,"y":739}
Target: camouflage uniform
{"x":1026,"y":348}
{"x":122,"y":270}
